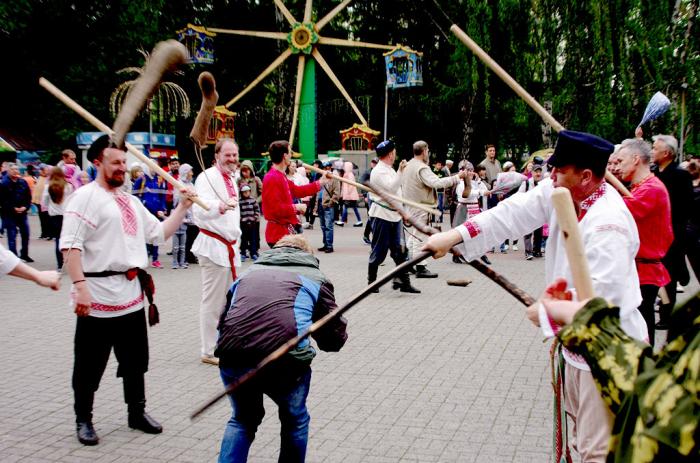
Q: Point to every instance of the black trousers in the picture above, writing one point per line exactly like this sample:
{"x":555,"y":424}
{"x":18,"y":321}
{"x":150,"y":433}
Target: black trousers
{"x":386,"y":238}
{"x":191,"y":235}
{"x":94,"y":339}
{"x":44,"y":222}
{"x":649,"y":293}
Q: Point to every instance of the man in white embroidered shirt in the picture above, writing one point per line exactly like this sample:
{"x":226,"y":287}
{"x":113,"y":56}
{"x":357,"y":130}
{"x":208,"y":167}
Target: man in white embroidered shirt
{"x":217,"y":244}
{"x":610,"y":240}
{"x":103,"y":242}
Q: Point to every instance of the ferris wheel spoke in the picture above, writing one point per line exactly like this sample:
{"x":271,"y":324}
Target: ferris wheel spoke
{"x":263,"y":34}
{"x":307,"y":11}
{"x":280,"y":59}
{"x":352,"y":43}
{"x":297,"y":97}
{"x":327,"y":18}
{"x":324,"y":65}
{"x":285,"y":12}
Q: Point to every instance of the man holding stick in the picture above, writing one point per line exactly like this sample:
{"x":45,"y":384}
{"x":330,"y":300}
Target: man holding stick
{"x":217,"y":246}
{"x":611,"y":242}
{"x":278,"y":192}
{"x":386,"y":222}
{"x":103,"y":242}
{"x":419,"y":183}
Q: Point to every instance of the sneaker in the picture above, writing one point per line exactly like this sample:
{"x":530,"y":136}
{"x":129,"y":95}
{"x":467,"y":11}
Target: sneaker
{"x":340,"y":224}
{"x":157,"y":264}
{"x":504,"y":249}
{"x":366,"y":240}
{"x":185,"y":265}
{"x":485,"y":260}
{"x":358,"y":224}
{"x":528,"y":256}
{"x":175,"y":267}
{"x":306,"y":225}
{"x":243,"y":257}
{"x":255,"y":257}
{"x":210,"y":360}
{"x":515,"y":247}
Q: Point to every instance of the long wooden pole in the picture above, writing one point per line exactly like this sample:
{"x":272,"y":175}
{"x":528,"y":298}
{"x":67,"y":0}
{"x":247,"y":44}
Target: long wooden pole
{"x":575,"y":253}
{"x":72,"y":104}
{"x":420,"y":206}
{"x":522,"y":93}
{"x":279,"y":60}
{"x":324,"y":65}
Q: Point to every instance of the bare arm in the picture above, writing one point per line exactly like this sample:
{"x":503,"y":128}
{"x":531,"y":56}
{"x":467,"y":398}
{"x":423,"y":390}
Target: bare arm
{"x":74,"y":266}
{"x":47,"y":278}
{"x":467,"y":188}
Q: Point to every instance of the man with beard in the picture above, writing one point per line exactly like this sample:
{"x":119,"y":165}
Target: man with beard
{"x":103,"y":242}
{"x":217,"y":244}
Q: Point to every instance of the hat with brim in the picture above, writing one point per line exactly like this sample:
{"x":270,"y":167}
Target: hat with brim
{"x":582,"y":150}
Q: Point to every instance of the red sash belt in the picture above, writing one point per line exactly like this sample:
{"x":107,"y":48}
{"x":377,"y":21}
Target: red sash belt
{"x":229,"y":247}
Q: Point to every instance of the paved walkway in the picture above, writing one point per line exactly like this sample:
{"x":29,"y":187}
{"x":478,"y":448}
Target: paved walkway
{"x":453,"y":374}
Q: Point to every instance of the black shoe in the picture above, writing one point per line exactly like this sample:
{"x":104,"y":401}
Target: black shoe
{"x":328,"y":250}
{"x":375,"y":290}
{"x":407,"y":288}
{"x":366,"y":240}
{"x":536,"y":254}
{"x":86,"y":433}
{"x":485,"y":260}
{"x":143,"y":422}
{"x":411,"y":270}
{"x":27,"y":259}
{"x":423,"y":272}
{"x":396,"y":283}
{"x":323,"y":249}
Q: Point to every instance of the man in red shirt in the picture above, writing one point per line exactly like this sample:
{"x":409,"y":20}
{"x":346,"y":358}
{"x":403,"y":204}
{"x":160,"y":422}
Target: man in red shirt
{"x":278,"y":193}
{"x":651,"y":208}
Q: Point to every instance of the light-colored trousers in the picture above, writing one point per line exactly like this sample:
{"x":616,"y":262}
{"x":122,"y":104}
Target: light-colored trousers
{"x":216,"y":281}
{"x":592,"y":419}
{"x":414,"y":238}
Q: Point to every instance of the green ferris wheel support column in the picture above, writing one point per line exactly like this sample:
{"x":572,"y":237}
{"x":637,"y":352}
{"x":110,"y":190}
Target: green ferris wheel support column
{"x":307,"y":113}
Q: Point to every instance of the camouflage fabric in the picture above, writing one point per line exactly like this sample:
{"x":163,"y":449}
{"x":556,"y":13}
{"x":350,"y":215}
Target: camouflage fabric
{"x":655,"y":397}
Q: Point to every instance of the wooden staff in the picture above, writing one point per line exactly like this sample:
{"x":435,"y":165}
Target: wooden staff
{"x":568,"y":222}
{"x":292,"y":343}
{"x":420,"y":206}
{"x":72,"y":104}
{"x":491,"y":274}
{"x":522,"y":93}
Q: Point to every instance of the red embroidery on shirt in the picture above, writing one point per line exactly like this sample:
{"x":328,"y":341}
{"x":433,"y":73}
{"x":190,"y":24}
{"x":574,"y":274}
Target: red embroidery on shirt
{"x":116,"y":308}
{"x":588,"y":202}
{"x":81,"y":217}
{"x":472,"y":228}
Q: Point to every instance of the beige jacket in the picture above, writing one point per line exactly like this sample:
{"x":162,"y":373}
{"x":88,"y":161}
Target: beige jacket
{"x":418,"y":182}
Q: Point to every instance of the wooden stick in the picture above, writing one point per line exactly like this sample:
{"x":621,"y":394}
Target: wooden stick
{"x":297,"y":97}
{"x":420,"y":206}
{"x":72,"y":104}
{"x":568,"y":222}
{"x":485,"y":270}
{"x":327,"y":18}
{"x":289,"y":345}
{"x":261,"y":34}
{"x":522,"y":93}
{"x":334,"y":79}
{"x":280,"y":59}
{"x":353,"y":43}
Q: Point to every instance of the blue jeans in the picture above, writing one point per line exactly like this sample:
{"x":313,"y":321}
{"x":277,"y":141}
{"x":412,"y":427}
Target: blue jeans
{"x":12,"y":223}
{"x":348,"y":205}
{"x":288,"y":392}
{"x":325,"y":216}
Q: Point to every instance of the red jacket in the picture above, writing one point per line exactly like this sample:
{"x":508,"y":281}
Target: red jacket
{"x":277,"y":205}
{"x":651,"y":208}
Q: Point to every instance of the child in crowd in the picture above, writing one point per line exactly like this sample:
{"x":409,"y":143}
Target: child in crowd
{"x":250,"y":224}
{"x":180,"y":235}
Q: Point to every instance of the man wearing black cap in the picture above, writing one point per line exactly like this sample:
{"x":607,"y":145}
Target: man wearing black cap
{"x":103,"y":242}
{"x":386,"y":222}
{"x":610,"y":240}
